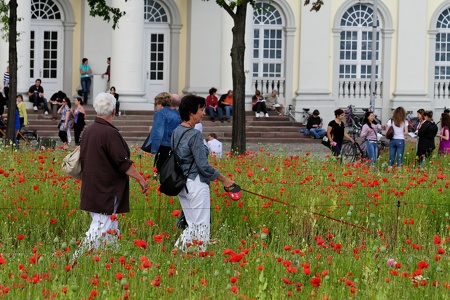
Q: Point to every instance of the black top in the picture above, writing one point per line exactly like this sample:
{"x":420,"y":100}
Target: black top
{"x":426,"y":134}
{"x":313,"y":121}
{"x":337,"y":133}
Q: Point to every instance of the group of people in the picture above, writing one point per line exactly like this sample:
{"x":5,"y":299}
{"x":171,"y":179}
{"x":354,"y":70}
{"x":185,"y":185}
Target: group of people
{"x":425,"y":131}
{"x":261,"y":104}
{"x":223,"y":108}
{"x":106,"y":165}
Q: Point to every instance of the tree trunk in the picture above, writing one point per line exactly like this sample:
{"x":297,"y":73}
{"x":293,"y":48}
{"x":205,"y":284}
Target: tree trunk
{"x":10,"y":132}
{"x":238,"y":143}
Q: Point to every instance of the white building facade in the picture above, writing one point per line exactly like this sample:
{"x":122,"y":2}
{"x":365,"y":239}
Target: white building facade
{"x":316,"y":60}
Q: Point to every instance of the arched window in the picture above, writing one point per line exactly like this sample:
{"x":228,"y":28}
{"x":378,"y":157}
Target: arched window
{"x":442,"y":54}
{"x":154,"y":12}
{"x":356,"y":43}
{"x":45,"y":10}
{"x":268,"y":44}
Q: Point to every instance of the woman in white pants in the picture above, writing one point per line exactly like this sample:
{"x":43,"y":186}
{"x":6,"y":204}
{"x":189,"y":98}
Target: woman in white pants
{"x":192,"y":155}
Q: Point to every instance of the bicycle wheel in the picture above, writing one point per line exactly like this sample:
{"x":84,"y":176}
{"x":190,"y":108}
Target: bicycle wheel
{"x":31,"y":138}
{"x":348,"y":152}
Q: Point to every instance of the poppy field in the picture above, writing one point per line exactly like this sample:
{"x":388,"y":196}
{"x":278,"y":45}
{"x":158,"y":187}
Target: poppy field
{"x":305,"y":227}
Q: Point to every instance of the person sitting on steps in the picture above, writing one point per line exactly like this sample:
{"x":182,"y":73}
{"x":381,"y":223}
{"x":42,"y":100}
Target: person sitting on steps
{"x":314,"y":125}
{"x":36,"y":95}
{"x":259,"y":104}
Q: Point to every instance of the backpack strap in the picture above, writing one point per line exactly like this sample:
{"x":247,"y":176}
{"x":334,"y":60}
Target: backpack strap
{"x":173,"y":149}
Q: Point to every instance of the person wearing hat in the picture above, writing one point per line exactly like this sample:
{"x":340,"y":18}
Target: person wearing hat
{"x":272,"y":102}
{"x":336,"y":132}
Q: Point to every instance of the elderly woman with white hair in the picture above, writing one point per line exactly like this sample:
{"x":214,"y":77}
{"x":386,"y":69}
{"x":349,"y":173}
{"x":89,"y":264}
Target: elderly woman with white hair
{"x":106,"y":168}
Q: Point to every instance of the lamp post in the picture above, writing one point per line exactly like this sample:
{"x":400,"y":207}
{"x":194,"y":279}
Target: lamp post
{"x":374,"y":55}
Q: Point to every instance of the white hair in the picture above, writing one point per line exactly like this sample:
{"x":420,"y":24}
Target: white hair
{"x":104,"y":104}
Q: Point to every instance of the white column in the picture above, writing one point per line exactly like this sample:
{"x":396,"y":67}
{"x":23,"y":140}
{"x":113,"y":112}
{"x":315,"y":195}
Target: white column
{"x":412,"y":71}
{"x":314,"y":64}
{"x":204,"y":47}
{"x":226,"y":75}
{"x":248,"y":60}
{"x":127,"y":70}
{"x":23,"y":47}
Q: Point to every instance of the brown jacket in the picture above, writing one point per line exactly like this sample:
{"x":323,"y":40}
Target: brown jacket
{"x":104,"y":161}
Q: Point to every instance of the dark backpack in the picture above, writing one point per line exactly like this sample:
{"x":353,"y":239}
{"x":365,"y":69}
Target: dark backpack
{"x":171,"y":178}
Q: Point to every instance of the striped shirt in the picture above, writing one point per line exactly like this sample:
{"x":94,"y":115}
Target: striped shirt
{"x":6,"y":79}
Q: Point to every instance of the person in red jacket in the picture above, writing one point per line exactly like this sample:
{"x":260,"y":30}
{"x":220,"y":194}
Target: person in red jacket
{"x":212,"y":105}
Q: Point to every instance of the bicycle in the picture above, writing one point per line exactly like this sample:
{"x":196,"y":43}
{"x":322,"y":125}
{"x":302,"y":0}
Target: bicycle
{"x":305,"y":116}
{"x":29,"y":137}
{"x":351,"y":152}
{"x":354,"y":119}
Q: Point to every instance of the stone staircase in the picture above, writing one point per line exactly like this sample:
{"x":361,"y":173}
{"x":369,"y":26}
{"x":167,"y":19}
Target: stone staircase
{"x":134,"y":127}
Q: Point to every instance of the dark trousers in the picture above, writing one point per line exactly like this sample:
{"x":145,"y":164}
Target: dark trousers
{"x":85,"y":86}
{"x":36,"y":100}
{"x":77,"y":129}
{"x":63,"y":136}
{"x":260,"y":106}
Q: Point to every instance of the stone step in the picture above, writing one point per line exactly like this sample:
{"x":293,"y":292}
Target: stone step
{"x":134,"y":127}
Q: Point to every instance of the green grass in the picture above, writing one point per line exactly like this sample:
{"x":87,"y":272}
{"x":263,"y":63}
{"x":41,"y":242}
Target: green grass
{"x":324,"y":230}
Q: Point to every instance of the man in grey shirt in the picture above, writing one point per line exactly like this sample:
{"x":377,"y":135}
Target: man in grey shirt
{"x":272,"y":102}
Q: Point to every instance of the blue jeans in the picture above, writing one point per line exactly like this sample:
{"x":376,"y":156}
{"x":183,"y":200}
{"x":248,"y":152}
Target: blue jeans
{"x":396,"y":148}
{"x":212,"y":113}
{"x":228,"y":111}
{"x":85,"y":86}
{"x":372,"y":151}
{"x":317,"y":132}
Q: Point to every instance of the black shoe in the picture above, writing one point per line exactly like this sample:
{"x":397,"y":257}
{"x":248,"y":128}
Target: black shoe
{"x":213,"y":120}
{"x":181,"y":222}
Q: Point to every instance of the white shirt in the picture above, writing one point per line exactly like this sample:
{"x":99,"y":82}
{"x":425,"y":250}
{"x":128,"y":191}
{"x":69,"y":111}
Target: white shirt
{"x":215,"y":147}
{"x":399,"y":132}
{"x":199,"y":127}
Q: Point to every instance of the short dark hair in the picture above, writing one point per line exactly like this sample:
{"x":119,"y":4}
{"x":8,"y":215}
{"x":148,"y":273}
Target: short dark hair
{"x":19,"y":96}
{"x":190,"y":105}
{"x":446,"y":111}
{"x":84,"y":60}
{"x":316,"y":112}
{"x":338,"y":112}
{"x":40,"y":81}
{"x":213,"y":135}
{"x":212,"y":90}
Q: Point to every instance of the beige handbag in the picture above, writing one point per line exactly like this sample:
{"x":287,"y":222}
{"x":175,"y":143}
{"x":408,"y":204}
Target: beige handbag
{"x":71,"y":164}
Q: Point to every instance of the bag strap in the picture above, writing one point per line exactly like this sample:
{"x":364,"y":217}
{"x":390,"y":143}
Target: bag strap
{"x":190,"y":166}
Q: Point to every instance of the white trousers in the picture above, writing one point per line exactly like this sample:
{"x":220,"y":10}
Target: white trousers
{"x":196,"y":207}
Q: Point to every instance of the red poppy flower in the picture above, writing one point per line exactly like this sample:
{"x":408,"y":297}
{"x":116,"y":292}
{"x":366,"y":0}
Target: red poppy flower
{"x":158,"y":238}
{"x":176,"y":213}
{"x":315,"y":281}
{"x":141,"y":244}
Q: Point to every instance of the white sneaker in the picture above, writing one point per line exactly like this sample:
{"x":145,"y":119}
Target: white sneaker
{"x":46,"y":113}
{"x":35,"y":108}
{"x":257,"y":115}
{"x":266,"y":115}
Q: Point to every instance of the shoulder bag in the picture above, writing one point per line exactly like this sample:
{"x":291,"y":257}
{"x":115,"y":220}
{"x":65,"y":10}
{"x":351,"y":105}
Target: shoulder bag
{"x":71,"y":164}
{"x":390,"y":131}
{"x":171,"y":177}
{"x":147,"y":146}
